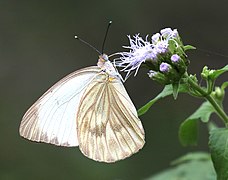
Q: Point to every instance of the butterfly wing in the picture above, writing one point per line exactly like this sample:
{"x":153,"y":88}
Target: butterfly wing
{"x":108,"y":126}
{"x":52,"y":118}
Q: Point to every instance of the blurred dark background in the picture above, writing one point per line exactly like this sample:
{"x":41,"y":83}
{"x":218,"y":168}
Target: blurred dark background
{"x":37,"y":48}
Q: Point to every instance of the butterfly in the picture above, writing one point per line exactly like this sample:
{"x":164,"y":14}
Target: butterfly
{"x":89,"y":108}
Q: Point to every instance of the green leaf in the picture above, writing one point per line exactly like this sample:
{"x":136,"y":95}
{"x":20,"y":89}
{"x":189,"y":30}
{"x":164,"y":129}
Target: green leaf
{"x":175,"y":89}
{"x":195,"y":166}
{"x":224,"y":85}
{"x":188,"y":131}
{"x":189,"y":47}
{"x":216,"y":73}
{"x":218,"y":143}
{"x":172,"y":46}
{"x":203,"y":112}
{"x":168,"y":90}
{"x":192,"y":156}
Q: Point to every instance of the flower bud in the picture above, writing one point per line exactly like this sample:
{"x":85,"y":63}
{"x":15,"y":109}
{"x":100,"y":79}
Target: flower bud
{"x":175,"y":58}
{"x":165,"y":68}
{"x":179,"y":64}
{"x":219,"y":93}
{"x":166,"y":32}
{"x":159,"y":77}
{"x":170,"y":72}
{"x":155,"y":38}
{"x":207,"y":73}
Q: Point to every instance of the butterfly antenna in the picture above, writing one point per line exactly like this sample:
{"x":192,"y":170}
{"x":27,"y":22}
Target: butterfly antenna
{"x":83,"y":41}
{"x":105,"y":37}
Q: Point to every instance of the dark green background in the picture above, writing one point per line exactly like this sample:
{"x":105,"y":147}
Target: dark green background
{"x":37,"y":48}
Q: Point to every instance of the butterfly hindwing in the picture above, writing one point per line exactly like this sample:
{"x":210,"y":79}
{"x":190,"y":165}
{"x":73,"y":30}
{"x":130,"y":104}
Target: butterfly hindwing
{"x":108,"y":126}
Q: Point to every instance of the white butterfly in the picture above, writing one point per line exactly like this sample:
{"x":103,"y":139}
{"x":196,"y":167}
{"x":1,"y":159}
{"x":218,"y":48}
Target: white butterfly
{"x":89,"y":108}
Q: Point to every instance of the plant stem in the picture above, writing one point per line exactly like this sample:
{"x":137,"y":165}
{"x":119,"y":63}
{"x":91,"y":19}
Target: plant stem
{"x":218,"y":109}
{"x":208,"y":97}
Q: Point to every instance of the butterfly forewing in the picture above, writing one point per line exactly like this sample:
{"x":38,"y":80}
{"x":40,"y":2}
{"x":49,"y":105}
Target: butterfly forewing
{"x":108,"y":126}
{"x":52,"y":118}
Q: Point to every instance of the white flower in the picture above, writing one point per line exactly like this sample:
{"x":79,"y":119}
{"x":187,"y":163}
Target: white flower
{"x":168,"y":33}
{"x":141,"y":50}
{"x":161,"y":47}
{"x":155,"y":38}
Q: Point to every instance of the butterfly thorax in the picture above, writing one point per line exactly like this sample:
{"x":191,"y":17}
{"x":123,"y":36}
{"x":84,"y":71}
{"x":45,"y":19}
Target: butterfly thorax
{"x":107,"y":67}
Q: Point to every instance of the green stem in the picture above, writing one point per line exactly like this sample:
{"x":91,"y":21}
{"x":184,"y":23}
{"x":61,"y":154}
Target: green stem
{"x":208,"y":97}
{"x":218,"y":109}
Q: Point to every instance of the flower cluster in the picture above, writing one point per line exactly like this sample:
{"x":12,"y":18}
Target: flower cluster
{"x":163,"y":53}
